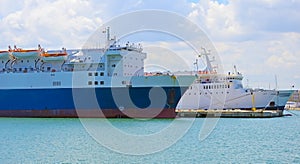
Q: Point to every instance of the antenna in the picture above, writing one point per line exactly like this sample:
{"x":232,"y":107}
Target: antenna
{"x":235,"y":70}
{"x":275,"y":82}
{"x":108,"y":33}
{"x":277,"y":92}
{"x":196,"y":63}
{"x":109,"y":41}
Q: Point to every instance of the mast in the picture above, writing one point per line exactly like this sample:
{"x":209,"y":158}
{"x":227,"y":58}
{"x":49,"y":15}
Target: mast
{"x":209,"y":67}
{"x":235,"y":70}
{"x":108,"y":39}
{"x":107,"y":34}
{"x":277,"y":92}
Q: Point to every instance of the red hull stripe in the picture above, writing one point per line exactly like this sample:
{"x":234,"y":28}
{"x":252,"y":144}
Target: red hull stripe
{"x":93,"y":113}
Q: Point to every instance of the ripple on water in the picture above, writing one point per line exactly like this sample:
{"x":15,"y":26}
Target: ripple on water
{"x":33,"y":140}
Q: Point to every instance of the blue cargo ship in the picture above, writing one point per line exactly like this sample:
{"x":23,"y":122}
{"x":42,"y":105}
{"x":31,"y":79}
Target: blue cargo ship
{"x":103,"y":82}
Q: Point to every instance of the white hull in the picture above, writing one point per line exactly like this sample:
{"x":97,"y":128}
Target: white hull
{"x":198,"y":98}
{"x":283,"y":97}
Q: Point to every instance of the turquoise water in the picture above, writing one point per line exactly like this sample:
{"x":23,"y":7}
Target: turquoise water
{"x":33,"y":140}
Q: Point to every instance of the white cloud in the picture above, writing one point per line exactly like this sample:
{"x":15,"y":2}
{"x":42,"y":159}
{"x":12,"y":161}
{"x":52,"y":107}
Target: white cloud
{"x":51,"y":23}
{"x":282,"y":60}
{"x":261,"y":37}
{"x":8,"y":6}
{"x":246,"y":20}
{"x":261,"y":60}
{"x":283,"y":52}
{"x":218,"y":20}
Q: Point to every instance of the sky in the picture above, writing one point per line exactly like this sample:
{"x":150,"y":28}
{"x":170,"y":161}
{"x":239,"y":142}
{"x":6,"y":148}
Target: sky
{"x":260,"y":37}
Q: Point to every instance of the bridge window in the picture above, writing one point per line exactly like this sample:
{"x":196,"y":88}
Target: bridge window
{"x":90,"y":83}
{"x":101,"y":82}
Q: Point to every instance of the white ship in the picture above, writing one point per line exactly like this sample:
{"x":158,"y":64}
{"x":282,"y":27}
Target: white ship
{"x":214,"y":91}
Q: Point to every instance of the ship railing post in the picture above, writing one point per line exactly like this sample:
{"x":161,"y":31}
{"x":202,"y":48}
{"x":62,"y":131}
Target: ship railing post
{"x":253,"y":102}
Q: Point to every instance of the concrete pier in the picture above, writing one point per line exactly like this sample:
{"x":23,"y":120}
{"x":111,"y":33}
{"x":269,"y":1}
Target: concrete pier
{"x":231,"y":113}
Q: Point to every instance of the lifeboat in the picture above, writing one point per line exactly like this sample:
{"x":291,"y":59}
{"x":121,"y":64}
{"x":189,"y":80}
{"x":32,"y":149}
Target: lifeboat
{"x":54,"y":56}
{"x":4,"y":54}
{"x":22,"y":53}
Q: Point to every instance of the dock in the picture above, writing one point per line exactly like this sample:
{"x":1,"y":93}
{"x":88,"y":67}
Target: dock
{"x":230,"y":113}
{"x":293,"y":108}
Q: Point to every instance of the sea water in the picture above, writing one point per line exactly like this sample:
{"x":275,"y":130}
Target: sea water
{"x":231,"y":140}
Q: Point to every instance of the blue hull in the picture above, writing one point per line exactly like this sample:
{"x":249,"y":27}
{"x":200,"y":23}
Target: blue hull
{"x":91,"y":102}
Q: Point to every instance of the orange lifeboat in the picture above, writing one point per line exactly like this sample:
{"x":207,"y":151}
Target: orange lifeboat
{"x":22,"y":53}
{"x":54,"y":56}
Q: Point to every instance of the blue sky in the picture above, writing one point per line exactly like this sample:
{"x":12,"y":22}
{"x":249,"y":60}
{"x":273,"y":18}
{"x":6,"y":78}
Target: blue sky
{"x":260,"y":37}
